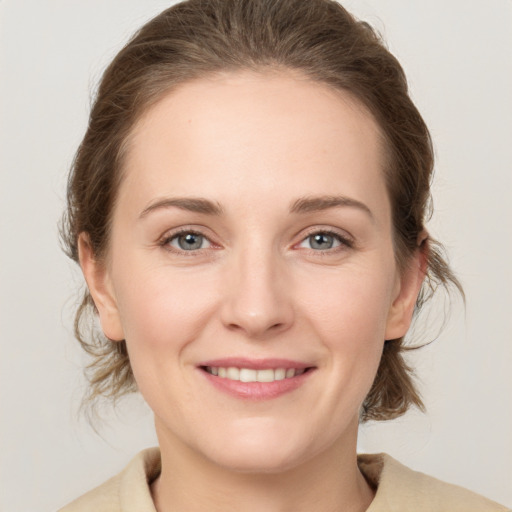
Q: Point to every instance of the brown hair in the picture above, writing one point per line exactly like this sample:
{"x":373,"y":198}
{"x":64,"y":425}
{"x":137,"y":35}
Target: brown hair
{"x":321,"y":40}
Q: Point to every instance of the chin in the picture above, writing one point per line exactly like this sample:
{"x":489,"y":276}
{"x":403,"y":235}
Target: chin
{"x":257,"y":462}
{"x":259,"y":452}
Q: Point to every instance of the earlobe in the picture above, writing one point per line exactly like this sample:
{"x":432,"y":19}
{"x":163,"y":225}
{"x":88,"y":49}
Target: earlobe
{"x":409,"y":285}
{"x":101,"y":290}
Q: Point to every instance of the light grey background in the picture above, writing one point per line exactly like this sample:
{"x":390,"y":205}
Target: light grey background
{"x":458,"y":57}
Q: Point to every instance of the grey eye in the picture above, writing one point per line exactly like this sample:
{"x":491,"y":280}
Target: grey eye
{"x":321,"y":241}
{"x":190,"y":241}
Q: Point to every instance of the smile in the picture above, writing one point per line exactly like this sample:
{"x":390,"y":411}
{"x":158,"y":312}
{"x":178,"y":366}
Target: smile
{"x":251,"y":375}
{"x":250,"y":379}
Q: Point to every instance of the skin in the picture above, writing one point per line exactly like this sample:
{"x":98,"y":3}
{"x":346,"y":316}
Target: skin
{"x":253,"y":144}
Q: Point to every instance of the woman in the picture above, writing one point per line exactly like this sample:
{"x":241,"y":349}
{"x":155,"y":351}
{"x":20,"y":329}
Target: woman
{"x":248,"y":207}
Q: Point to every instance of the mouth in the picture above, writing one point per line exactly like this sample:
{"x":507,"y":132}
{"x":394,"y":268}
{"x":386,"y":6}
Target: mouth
{"x":252,"y":375}
{"x":256,"y":380}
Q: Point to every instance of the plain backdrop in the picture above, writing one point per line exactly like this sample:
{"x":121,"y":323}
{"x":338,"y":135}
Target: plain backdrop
{"x":458,"y":57}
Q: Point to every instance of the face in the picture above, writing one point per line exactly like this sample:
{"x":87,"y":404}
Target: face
{"x":251,"y":268}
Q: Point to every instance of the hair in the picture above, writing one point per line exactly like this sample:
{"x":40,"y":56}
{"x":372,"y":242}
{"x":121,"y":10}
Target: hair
{"x":197,"y":38}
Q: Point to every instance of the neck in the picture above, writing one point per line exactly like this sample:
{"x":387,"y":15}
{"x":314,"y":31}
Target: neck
{"x":330,"y":481}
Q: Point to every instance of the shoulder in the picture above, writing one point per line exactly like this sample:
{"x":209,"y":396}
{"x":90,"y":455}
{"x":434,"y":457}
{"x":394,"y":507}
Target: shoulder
{"x":400,"y":489}
{"x":126,"y":492}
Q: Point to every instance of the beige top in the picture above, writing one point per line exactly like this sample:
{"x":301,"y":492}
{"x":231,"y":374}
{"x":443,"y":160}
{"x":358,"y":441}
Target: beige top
{"x":398,"y":489}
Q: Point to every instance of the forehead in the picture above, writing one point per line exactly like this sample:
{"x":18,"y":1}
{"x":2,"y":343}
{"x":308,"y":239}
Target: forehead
{"x":249,"y":133}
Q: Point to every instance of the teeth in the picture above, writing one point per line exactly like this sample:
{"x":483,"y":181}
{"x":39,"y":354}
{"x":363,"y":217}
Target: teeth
{"x":279,"y":374}
{"x":264,"y":375}
{"x":247,"y":375}
{"x":250,"y":375}
{"x":233,"y":373}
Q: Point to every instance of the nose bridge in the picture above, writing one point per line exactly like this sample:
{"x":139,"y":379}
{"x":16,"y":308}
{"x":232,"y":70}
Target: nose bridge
{"x":256,"y":299}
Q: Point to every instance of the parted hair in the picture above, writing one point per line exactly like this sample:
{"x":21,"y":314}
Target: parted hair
{"x":196,"y":38}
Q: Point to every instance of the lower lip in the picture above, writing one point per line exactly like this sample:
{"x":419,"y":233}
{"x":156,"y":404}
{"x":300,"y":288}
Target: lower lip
{"x":257,"y":391}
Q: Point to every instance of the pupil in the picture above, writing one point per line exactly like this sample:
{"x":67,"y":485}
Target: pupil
{"x":321,"y":241}
{"x":190,"y":241}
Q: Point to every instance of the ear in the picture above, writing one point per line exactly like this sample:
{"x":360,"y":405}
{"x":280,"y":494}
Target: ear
{"x":407,"y":290}
{"x":101,"y":290}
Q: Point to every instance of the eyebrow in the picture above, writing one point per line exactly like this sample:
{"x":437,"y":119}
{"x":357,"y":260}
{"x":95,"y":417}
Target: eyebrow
{"x":320,"y":203}
{"x":302,"y":205}
{"x":191,"y":204}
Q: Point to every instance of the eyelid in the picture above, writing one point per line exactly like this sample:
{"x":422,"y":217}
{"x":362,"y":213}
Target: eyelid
{"x":346,"y":240}
{"x":168,"y":236}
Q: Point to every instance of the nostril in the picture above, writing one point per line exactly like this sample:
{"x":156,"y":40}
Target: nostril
{"x":256,"y":319}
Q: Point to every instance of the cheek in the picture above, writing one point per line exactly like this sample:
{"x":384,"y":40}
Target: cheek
{"x":163,"y":310}
{"x":352,"y":306}
{"x":350,"y":318}
{"x":162,"y":313}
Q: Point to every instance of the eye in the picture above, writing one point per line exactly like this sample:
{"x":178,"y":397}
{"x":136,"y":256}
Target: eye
{"x":323,"y":241}
{"x":188,"y":241}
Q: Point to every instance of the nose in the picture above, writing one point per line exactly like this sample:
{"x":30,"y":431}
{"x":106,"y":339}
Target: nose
{"x":257,"y":299}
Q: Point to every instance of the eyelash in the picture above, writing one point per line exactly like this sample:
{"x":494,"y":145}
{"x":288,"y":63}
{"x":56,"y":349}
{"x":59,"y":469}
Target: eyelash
{"x":344,"y":241}
{"x":167,"y":239}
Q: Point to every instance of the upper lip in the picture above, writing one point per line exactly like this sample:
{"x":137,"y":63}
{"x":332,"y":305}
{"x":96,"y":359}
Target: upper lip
{"x":255,"y":364}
